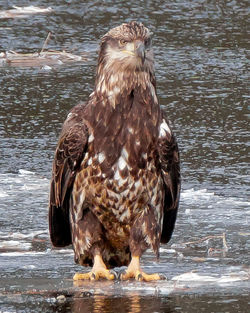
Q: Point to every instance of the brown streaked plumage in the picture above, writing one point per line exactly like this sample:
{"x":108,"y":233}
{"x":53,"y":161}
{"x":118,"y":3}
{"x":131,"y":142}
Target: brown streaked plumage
{"x":116,"y":178}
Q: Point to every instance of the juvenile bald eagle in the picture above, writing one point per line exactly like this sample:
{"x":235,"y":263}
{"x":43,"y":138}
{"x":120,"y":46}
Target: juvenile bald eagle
{"x":116,"y":178}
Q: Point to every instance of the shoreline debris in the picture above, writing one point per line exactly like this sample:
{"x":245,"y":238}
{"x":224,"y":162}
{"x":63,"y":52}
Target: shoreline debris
{"x":207,"y":238}
{"x":48,"y":57}
{"x":22,"y":12}
{"x":44,"y":58}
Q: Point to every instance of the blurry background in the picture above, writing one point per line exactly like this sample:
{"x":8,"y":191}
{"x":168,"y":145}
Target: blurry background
{"x":202,"y":69}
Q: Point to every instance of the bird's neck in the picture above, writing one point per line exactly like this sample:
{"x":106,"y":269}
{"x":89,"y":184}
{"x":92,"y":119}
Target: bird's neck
{"x":113,"y":88}
{"x":119,"y":110}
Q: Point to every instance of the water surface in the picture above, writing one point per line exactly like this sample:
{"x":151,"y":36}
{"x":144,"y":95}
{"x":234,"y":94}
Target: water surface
{"x":201,"y":52}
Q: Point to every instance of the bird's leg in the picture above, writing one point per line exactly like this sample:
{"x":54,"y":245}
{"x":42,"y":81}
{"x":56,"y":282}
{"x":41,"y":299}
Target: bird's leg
{"x":99,"y":270}
{"x":134,"y":271}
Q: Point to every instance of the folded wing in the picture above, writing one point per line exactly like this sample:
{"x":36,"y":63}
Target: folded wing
{"x":70,"y":151}
{"x":170,"y":168}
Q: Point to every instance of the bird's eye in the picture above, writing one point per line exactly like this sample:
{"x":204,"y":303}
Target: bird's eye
{"x":122,"y":42}
{"x":147,"y":42}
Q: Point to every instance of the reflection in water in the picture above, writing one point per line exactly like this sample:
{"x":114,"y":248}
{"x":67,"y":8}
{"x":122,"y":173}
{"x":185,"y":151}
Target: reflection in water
{"x":130,"y":303}
{"x":105,"y":296}
{"x":135,"y":303}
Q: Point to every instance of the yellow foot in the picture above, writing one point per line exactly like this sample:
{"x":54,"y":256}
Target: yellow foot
{"x":141,"y":276}
{"x":95,"y":275}
{"x":134,"y":271}
{"x":98,"y":271}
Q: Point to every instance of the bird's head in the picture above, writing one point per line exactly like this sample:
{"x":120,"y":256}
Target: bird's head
{"x":126,"y":48}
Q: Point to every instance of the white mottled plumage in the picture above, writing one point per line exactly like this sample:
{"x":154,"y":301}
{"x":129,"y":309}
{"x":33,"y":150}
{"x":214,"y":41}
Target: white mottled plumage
{"x":164,"y":128}
{"x":101,"y":157}
{"x":130,"y":129}
{"x":91,"y":138}
{"x":116,"y":171}
{"x":124,"y":153}
{"x":122,"y":163}
{"x":90,"y":161}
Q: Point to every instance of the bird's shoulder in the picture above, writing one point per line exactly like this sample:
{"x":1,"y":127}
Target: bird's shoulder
{"x":70,"y":151}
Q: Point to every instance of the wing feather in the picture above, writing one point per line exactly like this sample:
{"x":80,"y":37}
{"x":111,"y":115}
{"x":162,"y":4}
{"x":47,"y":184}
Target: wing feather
{"x":170,"y":169}
{"x":70,"y":151}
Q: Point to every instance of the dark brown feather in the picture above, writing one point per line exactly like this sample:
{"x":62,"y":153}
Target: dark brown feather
{"x":116,"y":175}
{"x":170,"y":165}
{"x":70,"y":151}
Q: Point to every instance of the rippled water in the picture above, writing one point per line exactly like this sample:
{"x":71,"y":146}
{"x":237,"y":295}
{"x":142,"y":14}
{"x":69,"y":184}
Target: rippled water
{"x":201,"y":52}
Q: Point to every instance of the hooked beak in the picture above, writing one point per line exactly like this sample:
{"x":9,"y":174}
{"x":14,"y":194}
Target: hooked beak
{"x":140,"y":50}
{"x":136,"y":49}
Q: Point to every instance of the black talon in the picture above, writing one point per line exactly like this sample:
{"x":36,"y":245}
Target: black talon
{"x":114,"y":273}
{"x":93,"y":276}
{"x":163,"y":277}
{"x":119,"y":276}
{"x":139,"y":277}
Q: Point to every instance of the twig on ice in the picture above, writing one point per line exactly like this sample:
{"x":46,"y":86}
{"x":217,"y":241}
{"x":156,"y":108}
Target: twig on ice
{"x":45,"y":42}
{"x":223,"y":236}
